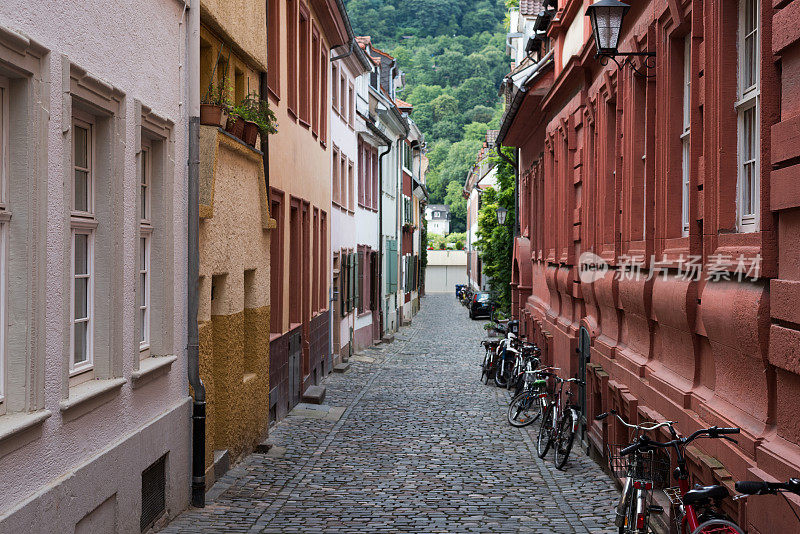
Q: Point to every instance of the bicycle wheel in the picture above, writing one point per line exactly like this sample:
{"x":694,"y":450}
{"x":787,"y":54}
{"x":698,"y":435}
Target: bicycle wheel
{"x":545,"y":438}
{"x":487,"y":359}
{"x":524,"y":409}
{"x":503,"y":372}
{"x":718,"y":526}
{"x":565,"y":439}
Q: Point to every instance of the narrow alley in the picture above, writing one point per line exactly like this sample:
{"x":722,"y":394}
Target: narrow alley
{"x":408,"y":439}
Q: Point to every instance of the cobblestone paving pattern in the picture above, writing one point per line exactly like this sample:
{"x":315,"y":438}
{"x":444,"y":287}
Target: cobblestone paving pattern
{"x":422,"y":446}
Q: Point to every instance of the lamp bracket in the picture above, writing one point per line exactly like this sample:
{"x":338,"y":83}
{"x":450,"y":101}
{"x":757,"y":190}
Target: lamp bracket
{"x":648,"y":63}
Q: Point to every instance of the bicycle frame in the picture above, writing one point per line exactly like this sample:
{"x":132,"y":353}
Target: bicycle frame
{"x":690,"y":521}
{"x":642,"y":510}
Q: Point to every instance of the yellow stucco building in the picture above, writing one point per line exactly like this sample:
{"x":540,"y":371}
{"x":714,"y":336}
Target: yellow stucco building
{"x":235,"y":227}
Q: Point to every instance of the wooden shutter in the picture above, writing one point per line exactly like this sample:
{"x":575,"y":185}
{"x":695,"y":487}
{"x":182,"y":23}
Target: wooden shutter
{"x":352,"y":289}
{"x":357,"y":280}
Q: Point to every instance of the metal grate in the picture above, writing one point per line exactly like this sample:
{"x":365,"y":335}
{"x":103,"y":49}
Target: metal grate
{"x":153,"y":493}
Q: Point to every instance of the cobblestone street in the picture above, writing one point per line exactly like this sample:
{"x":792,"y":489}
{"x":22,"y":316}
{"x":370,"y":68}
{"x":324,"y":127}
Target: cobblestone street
{"x":408,"y":440}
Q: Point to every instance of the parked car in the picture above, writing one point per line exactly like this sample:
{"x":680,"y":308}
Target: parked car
{"x":481,"y":304}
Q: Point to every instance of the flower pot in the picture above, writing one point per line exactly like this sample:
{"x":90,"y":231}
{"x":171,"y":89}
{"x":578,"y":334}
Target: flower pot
{"x":212,"y":115}
{"x":250,"y":133}
{"x":235,"y":127}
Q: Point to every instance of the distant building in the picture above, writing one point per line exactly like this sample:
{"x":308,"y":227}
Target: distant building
{"x":482,"y":176}
{"x":438,"y":217}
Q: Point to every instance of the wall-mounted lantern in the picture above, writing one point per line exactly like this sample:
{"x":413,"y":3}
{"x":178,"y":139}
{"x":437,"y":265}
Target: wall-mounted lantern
{"x":502,"y":213}
{"x":606,"y":17}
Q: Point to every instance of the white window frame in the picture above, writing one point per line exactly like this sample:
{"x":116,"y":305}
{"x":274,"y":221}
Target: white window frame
{"x":83,"y":222}
{"x":145,"y":249}
{"x":748,"y":100}
{"x":5,"y":217}
{"x":146,"y":185}
{"x":144,"y":304}
{"x":88,"y":364}
{"x":407,"y":150}
{"x":686,"y":136}
{"x":83,"y":121}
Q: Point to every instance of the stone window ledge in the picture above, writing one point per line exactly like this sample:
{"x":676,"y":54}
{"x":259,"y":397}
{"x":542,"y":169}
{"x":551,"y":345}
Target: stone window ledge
{"x":151,"y":366}
{"x":87,"y":391}
{"x":14,"y":423}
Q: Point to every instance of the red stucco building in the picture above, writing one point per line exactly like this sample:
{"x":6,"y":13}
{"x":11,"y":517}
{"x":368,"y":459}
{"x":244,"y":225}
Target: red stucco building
{"x":697,"y":164}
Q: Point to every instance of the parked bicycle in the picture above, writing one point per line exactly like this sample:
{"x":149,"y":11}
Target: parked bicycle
{"x":490,"y":359}
{"x":642,"y":471}
{"x":560,"y":422}
{"x":529,"y":404}
{"x":697,"y":510}
{"x":527,"y":359}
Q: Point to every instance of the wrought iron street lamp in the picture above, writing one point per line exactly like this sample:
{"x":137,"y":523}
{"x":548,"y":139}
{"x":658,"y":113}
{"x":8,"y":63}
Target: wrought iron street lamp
{"x":502,"y":213}
{"x":606,"y":17}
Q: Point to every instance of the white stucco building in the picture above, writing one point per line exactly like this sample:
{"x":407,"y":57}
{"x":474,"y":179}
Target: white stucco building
{"x":482,"y":176}
{"x":354,"y":235}
{"x":438,"y":217}
{"x":94,"y":403}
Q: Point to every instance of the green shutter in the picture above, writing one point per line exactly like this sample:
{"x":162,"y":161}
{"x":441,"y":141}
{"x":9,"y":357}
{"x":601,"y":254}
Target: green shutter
{"x":391,"y":265}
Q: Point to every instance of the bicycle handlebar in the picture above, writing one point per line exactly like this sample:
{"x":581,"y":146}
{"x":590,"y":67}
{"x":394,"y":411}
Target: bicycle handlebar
{"x":644,"y":442}
{"x":637,"y":427}
{"x":752,"y":487}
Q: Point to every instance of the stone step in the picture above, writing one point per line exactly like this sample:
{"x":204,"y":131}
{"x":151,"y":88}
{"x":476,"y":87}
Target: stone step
{"x":341,"y":367}
{"x":314,"y":395}
{"x":222,"y":463}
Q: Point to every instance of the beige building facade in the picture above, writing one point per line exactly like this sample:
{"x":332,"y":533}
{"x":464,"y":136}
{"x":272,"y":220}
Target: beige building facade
{"x":234,"y":235}
{"x":302,"y":38}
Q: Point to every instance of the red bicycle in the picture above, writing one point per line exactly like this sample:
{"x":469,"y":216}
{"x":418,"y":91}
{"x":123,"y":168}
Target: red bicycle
{"x":696,"y":510}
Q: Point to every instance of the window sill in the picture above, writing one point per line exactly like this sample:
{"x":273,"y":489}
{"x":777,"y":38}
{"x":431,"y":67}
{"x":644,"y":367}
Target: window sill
{"x":15,"y":423}
{"x":88,"y":391}
{"x":149,"y":367}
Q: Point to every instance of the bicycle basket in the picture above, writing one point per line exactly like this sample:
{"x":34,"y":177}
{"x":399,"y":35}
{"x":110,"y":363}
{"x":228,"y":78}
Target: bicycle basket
{"x":653,"y":465}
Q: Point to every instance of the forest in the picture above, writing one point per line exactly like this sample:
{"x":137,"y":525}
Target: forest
{"x":453,"y":55}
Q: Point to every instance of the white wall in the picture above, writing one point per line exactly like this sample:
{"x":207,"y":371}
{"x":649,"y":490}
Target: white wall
{"x":445,"y":269}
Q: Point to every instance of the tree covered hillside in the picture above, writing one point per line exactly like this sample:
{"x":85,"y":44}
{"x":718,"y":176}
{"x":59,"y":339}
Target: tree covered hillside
{"x":453,"y":55}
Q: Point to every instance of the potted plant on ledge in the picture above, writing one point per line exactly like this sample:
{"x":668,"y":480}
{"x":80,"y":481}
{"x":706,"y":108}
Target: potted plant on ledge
{"x":215,"y":106}
{"x":256,"y":117}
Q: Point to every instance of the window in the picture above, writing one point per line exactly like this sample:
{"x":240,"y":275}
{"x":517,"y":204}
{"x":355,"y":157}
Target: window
{"x":335,"y":88}
{"x":315,"y":78}
{"x":362,"y":174}
{"x":351,"y":185}
{"x":342,"y":96}
{"x":343,"y":180}
{"x":145,"y":243}
{"x":303,"y":71}
{"x":747,"y":108}
{"x":144,"y":294}
{"x":291,"y":54}
{"x":351,"y":105}
{"x":273,"y":48}
{"x":407,"y":158}
{"x":685,"y":137}
{"x":323,"y":106}
{"x":336,"y":194}
{"x":375,"y":179}
{"x":82,"y":265}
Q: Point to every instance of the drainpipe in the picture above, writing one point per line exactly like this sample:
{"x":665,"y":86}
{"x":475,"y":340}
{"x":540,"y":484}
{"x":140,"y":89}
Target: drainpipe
{"x":193,"y":275}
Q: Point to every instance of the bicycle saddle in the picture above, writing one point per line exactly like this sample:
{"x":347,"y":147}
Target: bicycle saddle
{"x":704,"y":494}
